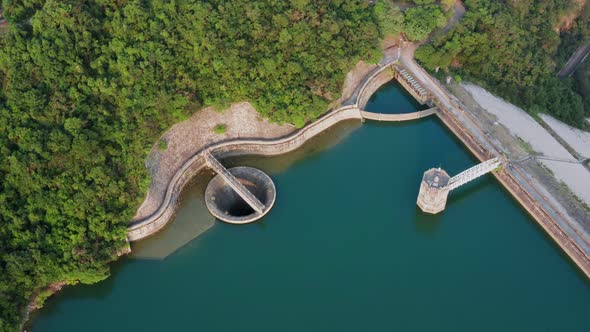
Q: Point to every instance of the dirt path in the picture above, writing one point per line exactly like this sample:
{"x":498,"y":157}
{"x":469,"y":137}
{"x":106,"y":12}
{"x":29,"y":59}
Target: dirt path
{"x":458,"y":13}
{"x":3,"y":22}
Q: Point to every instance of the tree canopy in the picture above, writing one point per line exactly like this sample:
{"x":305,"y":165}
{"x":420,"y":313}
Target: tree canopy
{"x":417,"y":22}
{"x":421,"y":21}
{"x":510,"y":48}
{"x":88,"y":86}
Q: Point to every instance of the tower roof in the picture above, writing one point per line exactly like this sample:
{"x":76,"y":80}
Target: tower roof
{"x":436,"y":178}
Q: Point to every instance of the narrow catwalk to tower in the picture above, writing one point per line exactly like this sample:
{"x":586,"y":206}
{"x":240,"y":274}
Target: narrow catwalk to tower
{"x":436,"y":184}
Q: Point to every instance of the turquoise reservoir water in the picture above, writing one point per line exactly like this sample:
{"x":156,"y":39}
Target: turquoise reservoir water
{"x":345,"y":249}
{"x":393,"y":99}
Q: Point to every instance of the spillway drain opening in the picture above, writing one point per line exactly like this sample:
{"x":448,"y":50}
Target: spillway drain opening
{"x":227,"y":205}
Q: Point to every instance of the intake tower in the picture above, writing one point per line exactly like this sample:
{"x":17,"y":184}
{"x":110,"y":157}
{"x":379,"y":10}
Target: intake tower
{"x":436,"y":184}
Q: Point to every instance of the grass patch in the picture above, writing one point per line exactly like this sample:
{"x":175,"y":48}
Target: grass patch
{"x":42,"y":297}
{"x":162,"y":145}
{"x":576,"y":198}
{"x":220,"y":128}
{"x":527,"y":147}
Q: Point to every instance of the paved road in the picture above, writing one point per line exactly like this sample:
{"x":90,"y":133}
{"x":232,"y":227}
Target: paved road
{"x":578,"y":57}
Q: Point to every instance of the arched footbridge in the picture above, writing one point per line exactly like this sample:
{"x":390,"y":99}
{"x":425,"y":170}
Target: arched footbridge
{"x":398,"y":117}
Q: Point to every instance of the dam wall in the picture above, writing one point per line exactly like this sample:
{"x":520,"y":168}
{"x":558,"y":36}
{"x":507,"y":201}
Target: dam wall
{"x":269,"y":147}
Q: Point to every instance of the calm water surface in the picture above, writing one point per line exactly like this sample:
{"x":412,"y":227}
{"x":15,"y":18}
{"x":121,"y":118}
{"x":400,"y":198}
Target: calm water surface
{"x":345,"y":249}
{"x":393,"y":99}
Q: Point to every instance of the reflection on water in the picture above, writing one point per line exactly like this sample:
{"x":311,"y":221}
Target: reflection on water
{"x":193,"y":218}
{"x":427,"y":224}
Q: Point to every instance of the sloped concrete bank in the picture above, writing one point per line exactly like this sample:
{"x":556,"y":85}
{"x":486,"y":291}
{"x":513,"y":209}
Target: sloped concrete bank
{"x":380,"y":77}
{"x":143,"y":228}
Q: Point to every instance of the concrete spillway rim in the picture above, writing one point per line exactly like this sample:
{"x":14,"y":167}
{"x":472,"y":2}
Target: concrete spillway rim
{"x":241,"y":220}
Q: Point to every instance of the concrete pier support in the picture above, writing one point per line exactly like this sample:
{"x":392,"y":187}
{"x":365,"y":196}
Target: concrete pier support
{"x":434,"y":191}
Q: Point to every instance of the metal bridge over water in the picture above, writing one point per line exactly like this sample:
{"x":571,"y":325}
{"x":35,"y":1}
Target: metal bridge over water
{"x":473,"y":173}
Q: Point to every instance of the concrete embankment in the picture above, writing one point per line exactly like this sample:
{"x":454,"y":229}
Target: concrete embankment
{"x":143,"y":228}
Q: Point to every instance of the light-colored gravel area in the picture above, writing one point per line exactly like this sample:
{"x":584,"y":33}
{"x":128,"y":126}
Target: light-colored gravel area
{"x":522,"y":125}
{"x":578,"y":139}
{"x":559,"y":195}
{"x":186,"y":138}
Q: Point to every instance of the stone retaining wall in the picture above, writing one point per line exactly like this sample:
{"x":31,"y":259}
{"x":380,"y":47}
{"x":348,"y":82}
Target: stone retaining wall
{"x":155,"y":222}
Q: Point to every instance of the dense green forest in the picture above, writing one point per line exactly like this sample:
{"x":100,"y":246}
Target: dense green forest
{"x":88,"y":87}
{"x":511,"y":47}
{"x":571,"y":39}
{"x":418,"y":19}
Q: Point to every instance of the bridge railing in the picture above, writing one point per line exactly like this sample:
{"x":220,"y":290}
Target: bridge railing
{"x":231,"y":180}
{"x":473,"y":173}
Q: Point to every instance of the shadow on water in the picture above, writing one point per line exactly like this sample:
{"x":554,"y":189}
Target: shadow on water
{"x":429,"y":223}
{"x":425,"y":223}
{"x":191,"y":220}
{"x":467,"y":190}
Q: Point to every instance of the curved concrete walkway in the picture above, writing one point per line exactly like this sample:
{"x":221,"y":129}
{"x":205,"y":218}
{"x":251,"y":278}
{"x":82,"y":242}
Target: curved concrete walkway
{"x":143,"y":228}
{"x":151,"y":224}
{"x":398,"y":117}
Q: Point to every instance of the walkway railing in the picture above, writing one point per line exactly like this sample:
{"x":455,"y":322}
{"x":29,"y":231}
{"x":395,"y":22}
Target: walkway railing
{"x":398,"y":117}
{"x":473,"y":173}
{"x":233,"y":182}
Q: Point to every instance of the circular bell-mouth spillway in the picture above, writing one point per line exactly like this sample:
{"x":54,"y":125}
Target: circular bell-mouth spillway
{"x":227,"y":205}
